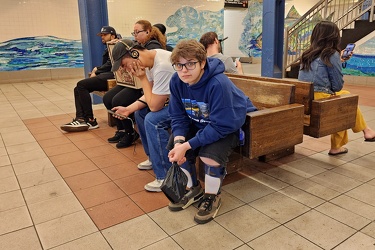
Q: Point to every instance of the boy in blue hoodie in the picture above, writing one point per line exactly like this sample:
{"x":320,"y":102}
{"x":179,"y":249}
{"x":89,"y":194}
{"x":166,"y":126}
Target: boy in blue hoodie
{"x":207,"y":112}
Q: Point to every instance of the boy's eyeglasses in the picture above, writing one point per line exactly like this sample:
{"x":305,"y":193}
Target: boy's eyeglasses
{"x":188,"y":66}
{"x":135,"y":33}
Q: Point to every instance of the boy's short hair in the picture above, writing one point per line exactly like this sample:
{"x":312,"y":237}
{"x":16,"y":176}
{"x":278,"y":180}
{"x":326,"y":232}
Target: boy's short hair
{"x":208,"y":39}
{"x":188,"y":49}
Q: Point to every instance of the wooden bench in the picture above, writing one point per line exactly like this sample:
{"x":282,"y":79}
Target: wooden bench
{"x":323,"y":116}
{"x":111,"y":83}
{"x":269,"y":132}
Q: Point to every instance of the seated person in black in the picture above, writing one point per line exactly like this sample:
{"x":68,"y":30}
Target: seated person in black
{"x":97,"y":81}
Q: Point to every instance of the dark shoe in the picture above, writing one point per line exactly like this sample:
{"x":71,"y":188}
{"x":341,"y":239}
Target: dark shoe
{"x":208,"y":208}
{"x":193,"y":195}
{"x":76,"y":125}
{"x":92,"y":124}
{"x":344,"y":151}
{"x":370,"y":139}
{"x":127,"y":140}
{"x":117,"y":137}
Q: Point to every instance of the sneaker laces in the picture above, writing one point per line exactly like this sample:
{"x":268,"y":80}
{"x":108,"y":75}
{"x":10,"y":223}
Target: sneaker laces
{"x":207,"y":203}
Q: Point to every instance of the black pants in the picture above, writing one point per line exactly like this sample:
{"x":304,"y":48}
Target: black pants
{"x":122,"y":96}
{"x":82,"y":93}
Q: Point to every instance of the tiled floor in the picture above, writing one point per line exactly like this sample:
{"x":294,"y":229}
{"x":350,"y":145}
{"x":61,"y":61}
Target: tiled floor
{"x":75,"y":191}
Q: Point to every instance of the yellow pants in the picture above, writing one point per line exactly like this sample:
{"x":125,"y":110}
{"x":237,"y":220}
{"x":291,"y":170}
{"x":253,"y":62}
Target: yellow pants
{"x":339,"y":139}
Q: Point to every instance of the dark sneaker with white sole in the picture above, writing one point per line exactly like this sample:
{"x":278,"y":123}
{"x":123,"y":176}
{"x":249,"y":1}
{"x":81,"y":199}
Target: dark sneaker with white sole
{"x":93,"y":124}
{"x":117,"y":137}
{"x":208,"y":208}
{"x":76,"y":125}
{"x":127,"y":140}
{"x":193,"y":195}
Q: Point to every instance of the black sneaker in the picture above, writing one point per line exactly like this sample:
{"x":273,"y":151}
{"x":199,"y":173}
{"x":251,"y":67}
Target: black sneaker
{"x":76,"y":125}
{"x":208,"y":208}
{"x":92,"y":124}
{"x":193,"y":195}
{"x":127,"y":140}
{"x":117,"y":137}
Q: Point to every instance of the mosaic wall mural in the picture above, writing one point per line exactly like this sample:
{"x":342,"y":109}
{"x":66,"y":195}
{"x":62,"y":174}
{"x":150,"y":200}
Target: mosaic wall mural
{"x":64,"y":50}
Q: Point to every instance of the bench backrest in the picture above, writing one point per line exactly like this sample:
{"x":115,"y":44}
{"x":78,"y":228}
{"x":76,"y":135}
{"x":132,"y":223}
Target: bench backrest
{"x":266,"y":94}
{"x":304,"y":91}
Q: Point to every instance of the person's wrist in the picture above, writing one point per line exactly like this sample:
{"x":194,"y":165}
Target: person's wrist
{"x":178,"y":141}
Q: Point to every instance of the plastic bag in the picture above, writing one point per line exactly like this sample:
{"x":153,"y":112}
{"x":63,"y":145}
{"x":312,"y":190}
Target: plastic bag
{"x":174,"y":184}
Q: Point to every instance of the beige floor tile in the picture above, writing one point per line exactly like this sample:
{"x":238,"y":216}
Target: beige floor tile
{"x":317,"y":189}
{"x":54,"y":208}
{"x":357,"y":241}
{"x":282,"y":238}
{"x":207,"y":237}
{"x":355,"y":171}
{"x":279,"y":207}
{"x":32,"y":166}
{"x":16,"y":138}
{"x":167,"y":243}
{"x":302,"y":168}
{"x":228,"y":203}
{"x":3,"y":151}
{"x":337,"y":182}
{"x":93,"y":241}
{"x":27,"y":156}
{"x":14,"y":219}
{"x":8,"y":184}
{"x":6,"y":171}
{"x":358,"y":207}
{"x":4,"y":160}
{"x":344,"y":216}
{"x":367,"y":161}
{"x":247,"y":217}
{"x":174,"y":222}
{"x":38,"y":177}
{"x":24,"y":239}
{"x":364,"y":193}
{"x":284,"y":175}
{"x":302,"y":196}
{"x":45,"y":191}
{"x":240,"y":189}
{"x":320,"y":229}
{"x":369,"y":230}
{"x":325,"y":161}
{"x":268,"y":181}
{"x":22,"y":148}
{"x":124,"y":234}
{"x":65,"y":229}
{"x":10,"y":200}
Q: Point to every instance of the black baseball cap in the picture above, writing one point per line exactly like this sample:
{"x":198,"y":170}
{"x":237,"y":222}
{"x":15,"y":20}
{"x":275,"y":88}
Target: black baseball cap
{"x":161,"y":27}
{"x":107,"y":30}
{"x":121,"y":48}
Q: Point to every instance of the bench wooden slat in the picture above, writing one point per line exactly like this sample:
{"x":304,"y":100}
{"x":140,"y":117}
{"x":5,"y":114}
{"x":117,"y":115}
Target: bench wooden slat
{"x":273,"y":129}
{"x":331,"y":115}
{"x":266,"y":94}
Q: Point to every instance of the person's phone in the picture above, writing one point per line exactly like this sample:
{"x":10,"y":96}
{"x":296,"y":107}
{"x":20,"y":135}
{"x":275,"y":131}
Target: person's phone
{"x":347,"y":51}
{"x":114,"y":113}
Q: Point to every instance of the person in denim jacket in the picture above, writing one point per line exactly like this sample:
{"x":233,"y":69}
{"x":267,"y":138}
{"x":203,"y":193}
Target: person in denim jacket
{"x":321,"y":64}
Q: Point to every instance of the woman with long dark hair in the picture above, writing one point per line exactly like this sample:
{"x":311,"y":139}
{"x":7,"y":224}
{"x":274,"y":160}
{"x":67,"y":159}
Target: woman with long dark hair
{"x":321,"y":64}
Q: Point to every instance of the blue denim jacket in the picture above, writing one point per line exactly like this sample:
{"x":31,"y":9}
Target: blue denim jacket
{"x":325,"y":79}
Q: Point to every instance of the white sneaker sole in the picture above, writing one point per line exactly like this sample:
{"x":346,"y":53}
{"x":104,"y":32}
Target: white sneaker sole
{"x":74,"y":129}
{"x":152,"y":189}
{"x":143,"y":167}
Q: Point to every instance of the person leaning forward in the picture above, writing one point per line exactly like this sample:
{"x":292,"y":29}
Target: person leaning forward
{"x":154,"y":70}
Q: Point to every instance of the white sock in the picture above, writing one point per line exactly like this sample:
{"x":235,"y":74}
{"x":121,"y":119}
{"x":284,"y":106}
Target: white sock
{"x":190,"y":181}
{"x":212,"y":184}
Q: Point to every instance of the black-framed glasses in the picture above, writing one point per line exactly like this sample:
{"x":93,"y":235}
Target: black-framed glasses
{"x":188,"y":66}
{"x":136,"y":32}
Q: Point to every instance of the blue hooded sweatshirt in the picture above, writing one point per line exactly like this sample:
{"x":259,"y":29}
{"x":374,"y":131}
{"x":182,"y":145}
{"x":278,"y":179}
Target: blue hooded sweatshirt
{"x":214,"y":105}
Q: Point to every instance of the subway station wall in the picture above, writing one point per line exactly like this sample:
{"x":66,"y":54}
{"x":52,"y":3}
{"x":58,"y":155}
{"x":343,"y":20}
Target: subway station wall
{"x":45,"y":34}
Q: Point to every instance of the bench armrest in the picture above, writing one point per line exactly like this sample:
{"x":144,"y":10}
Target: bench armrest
{"x":272,"y":129}
{"x":332,"y":114}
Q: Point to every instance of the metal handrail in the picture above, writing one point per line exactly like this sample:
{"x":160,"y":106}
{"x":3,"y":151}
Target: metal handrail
{"x":343,"y":13}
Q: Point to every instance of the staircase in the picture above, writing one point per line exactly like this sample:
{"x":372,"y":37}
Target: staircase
{"x":353,"y":17}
